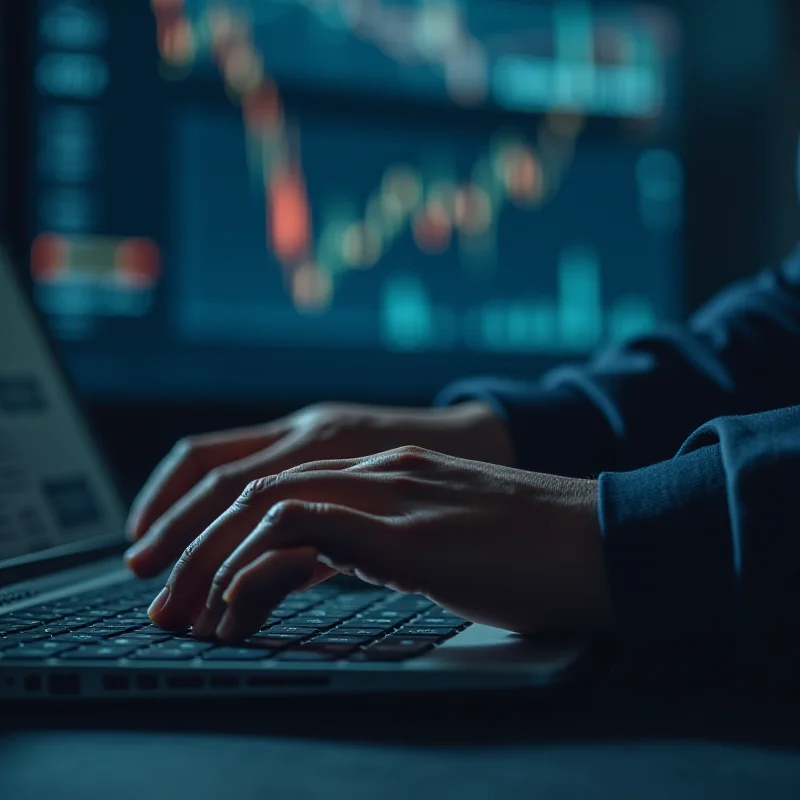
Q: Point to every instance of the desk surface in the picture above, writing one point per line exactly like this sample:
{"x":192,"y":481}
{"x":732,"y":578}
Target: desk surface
{"x":483,"y":747}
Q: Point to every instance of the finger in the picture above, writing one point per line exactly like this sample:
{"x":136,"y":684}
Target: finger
{"x":194,"y":512}
{"x":407,"y":459}
{"x":188,"y":463}
{"x":188,"y":517}
{"x":190,"y":581}
{"x":210,"y":615}
{"x":265,"y":583}
{"x":346,"y":539}
{"x":255,"y":545}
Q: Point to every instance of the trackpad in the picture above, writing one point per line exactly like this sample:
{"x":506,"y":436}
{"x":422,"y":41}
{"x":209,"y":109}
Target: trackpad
{"x":495,"y":649}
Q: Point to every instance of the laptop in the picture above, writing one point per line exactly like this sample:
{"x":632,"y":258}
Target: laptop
{"x":73,"y":620}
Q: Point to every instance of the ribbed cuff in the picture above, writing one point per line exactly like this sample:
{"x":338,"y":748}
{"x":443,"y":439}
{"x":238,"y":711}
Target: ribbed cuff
{"x":558,"y":431}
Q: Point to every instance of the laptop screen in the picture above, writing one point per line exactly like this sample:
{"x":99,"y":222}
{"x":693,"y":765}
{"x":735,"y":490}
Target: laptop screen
{"x":55,"y":493}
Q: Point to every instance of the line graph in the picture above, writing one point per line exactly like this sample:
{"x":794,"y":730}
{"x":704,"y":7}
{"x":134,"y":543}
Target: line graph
{"x":571,"y":67}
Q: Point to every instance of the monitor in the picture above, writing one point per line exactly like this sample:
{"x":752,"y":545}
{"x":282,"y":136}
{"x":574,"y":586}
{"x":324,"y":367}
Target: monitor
{"x":303,"y":199}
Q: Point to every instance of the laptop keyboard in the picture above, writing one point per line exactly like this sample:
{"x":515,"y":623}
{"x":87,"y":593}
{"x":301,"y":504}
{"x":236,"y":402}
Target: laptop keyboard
{"x":318,"y":625}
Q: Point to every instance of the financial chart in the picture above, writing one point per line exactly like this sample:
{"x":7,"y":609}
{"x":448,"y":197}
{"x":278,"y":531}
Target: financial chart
{"x":447,"y":183}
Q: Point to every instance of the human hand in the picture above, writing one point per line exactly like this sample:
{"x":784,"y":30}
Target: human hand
{"x":495,"y":545}
{"x":202,"y":476}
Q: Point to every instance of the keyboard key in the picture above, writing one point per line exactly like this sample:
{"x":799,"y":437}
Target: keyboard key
{"x":336,"y":648}
{"x":33,"y":616}
{"x":185,"y":646}
{"x":102,"y":632}
{"x":55,"y":645}
{"x":143,"y":638}
{"x":374,"y":622}
{"x":109,"y":609}
{"x":16,"y":627}
{"x":77,"y":600}
{"x":51,"y":630}
{"x":353,"y":641}
{"x":343,"y":608}
{"x":78,"y":638}
{"x":386,"y":613}
{"x":32,"y":652}
{"x":98,"y":652}
{"x":236,"y":654}
{"x":156,"y":631}
{"x":266,"y":642}
{"x":403,"y":601}
{"x":66,"y":610}
{"x":307,"y":655}
{"x":118,"y":625}
{"x":433,"y":632}
{"x":124,"y":642}
{"x":78,"y":621}
{"x":317,"y":623}
{"x":351,"y":629}
{"x":21,"y":638}
{"x":291,"y":630}
{"x":165,"y":654}
{"x":440,"y":620}
{"x":336,"y":616}
{"x":44,"y":608}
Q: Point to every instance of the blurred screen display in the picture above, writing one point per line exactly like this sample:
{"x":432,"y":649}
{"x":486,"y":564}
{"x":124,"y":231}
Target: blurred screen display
{"x":292,"y":199}
{"x":4,"y":144}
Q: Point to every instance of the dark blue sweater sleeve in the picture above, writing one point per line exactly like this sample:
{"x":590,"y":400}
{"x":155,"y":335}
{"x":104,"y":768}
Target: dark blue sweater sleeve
{"x":635,"y":404}
{"x":702,"y":545}
{"x":706,"y":546}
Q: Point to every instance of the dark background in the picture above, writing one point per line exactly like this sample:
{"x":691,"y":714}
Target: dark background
{"x":742,"y":94}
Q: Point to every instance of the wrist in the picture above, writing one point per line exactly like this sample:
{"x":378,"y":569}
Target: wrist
{"x":477,"y":433}
{"x":596,"y":592}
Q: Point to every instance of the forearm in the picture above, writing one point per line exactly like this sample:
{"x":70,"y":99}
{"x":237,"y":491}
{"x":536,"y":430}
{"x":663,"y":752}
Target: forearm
{"x":634,"y":405}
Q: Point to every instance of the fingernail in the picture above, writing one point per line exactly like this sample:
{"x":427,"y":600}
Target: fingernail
{"x":227,"y":627}
{"x":132,"y":527}
{"x":204,"y":624}
{"x":325,"y":561}
{"x":158,"y":604}
{"x":133,"y":552}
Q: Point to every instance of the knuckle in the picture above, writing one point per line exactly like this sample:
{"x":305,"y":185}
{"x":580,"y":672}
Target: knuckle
{"x":299,"y":469}
{"x":253,"y":489}
{"x":186,"y":449}
{"x":223,"y":577}
{"x":325,"y":422}
{"x":323,"y":430}
{"x":411,"y":457}
{"x":249,"y":495}
{"x":188,"y":554}
{"x":285,"y":512}
{"x":219,"y":479}
{"x":227,"y":484}
{"x":314,"y":414}
{"x":259,"y":487}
